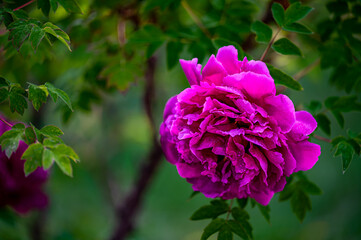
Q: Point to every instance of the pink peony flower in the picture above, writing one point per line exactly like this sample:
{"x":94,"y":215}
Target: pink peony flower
{"x":230,"y":135}
{"x":20,"y":192}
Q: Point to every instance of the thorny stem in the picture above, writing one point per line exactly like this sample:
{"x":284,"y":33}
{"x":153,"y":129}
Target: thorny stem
{"x":270,"y":44}
{"x":24,"y":5}
{"x":6,"y":122}
{"x":229,"y":209}
{"x":194,"y":17}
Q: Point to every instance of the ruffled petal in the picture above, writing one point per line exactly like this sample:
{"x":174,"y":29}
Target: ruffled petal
{"x":305,"y":124}
{"x":281,"y":108}
{"x":228,"y":57}
{"x":305,"y":153}
{"x":213,"y":71}
{"x":189,"y":171}
{"x":253,"y":85}
{"x":192,"y":70}
{"x":258,"y":67}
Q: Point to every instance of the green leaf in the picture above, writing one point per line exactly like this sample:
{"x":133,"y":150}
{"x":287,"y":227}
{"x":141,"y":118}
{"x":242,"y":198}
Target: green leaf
{"x":19,"y":32}
{"x":194,"y":193}
{"x":297,"y":27}
{"x":216,"y":208}
{"x":296,"y":12}
{"x":238,"y":229}
{"x":4,"y":94}
{"x":37,"y":96}
{"x":278,"y":13}
{"x":287,"y":193}
{"x":339,"y":118}
{"x":343,"y":104}
{"x":36,"y":36}
{"x":58,"y":33}
{"x":64,"y":164}
{"x":70,"y":6}
{"x":284,"y":79}
{"x":324,"y":123}
{"x":242,"y":202}
{"x":212,"y":228}
{"x":173,"y":51}
{"x":218,"y":4}
{"x":286,"y":47}
{"x":225,"y":234}
{"x":9,"y":141}
{"x":152,"y":48}
{"x":346,"y":151}
{"x":67,"y":151}
{"x":300,"y":204}
{"x":310,"y":187}
{"x":56,"y":92}
{"x":51,"y":131}
{"x":17,"y":100}
{"x":242,"y":217}
{"x":148,"y":34}
{"x":30,"y":135}
{"x":337,"y":7}
{"x":262,"y":30}
{"x":44,"y":5}
{"x":3,"y":82}
{"x":265,"y":211}
{"x":314,"y":106}
{"x":33,"y":156}
{"x":48,"y":158}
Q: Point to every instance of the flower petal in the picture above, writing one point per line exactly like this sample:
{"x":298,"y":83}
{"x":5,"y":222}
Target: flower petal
{"x":189,"y":171}
{"x":169,"y":107}
{"x":213,"y":71}
{"x":228,"y":57}
{"x":305,"y":124}
{"x":305,"y":153}
{"x":281,"y":108}
{"x":258,"y":67}
{"x":254,"y":85}
{"x":168,"y":146}
{"x":192,"y":70}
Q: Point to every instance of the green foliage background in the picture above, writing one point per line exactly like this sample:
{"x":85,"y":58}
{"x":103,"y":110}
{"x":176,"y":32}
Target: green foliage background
{"x":104,"y":78}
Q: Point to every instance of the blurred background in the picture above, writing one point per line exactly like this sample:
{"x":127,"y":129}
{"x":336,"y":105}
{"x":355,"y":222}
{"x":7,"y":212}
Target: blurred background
{"x":104,"y":76}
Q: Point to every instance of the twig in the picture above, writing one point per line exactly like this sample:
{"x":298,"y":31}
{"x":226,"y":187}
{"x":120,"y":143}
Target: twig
{"x":4,"y":121}
{"x":24,"y":5}
{"x":229,"y":209}
{"x":270,"y":44}
{"x":300,"y":74}
{"x":126,"y":213}
{"x":322,"y":138}
{"x":194,"y":17}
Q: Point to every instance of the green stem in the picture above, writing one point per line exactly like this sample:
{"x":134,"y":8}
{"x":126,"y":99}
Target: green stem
{"x":270,"y":44}
{"x":194,"y":17}
{"x":229,"y":209}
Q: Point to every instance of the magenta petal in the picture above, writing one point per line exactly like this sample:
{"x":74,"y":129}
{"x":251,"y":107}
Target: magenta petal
{"x":262,"y":197}
{"x":305,"y":124}
{"x":168,"y":146}
{"x":192,"y":70}
{"x":189,"y":171}
{"x":228,"y":56}
{"x":305,"y":153}
{"x":258,"y":67}
{"x":281,"y":108}
{"x":169,"y":107}
{"x":254,"y":85}
{"x":213,"y":71}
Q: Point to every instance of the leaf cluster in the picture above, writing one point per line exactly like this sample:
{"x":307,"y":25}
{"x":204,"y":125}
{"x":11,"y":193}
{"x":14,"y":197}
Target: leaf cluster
{"x":45,"y":147}
{"x":16,"y":95}
{"x":239,"y":225}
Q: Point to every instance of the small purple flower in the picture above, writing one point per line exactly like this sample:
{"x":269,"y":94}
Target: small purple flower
{"x":230,"y":135}
{"x":20,"y":192}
